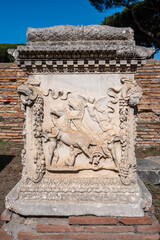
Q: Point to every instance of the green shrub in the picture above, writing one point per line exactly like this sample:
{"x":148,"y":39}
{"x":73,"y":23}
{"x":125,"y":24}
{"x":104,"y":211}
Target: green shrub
{"x":4,"y":56}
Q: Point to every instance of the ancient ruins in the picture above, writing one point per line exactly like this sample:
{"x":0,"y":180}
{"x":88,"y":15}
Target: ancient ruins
{"x":80,"y":105}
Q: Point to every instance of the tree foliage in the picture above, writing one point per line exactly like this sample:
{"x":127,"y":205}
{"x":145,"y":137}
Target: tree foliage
{"x":143,"y":16}
{"x":101,"y":5}
{"x":4,"y":56}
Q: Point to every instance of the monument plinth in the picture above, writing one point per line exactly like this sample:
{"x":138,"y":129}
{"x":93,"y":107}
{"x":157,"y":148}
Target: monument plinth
{"x":80,"y":102}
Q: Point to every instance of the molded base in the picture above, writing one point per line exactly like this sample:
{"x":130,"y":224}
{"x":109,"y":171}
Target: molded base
{"x":50,"y":207}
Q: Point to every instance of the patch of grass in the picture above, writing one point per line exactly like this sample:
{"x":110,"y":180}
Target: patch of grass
{"x":4,"y":144}
{"x":147,"y":152}
{"x":155,"y":191}
{"x":153,"y":147}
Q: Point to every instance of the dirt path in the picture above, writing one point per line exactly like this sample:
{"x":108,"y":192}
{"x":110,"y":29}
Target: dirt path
{"x":10,"y":169}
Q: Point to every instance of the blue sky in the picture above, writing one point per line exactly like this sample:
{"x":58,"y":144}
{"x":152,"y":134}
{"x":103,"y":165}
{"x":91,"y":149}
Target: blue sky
{"x":16,"y":16}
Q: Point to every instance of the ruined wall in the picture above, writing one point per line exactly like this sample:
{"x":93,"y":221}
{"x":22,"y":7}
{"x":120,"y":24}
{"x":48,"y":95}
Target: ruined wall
{"x":11,"y":115}
{"x":148,"y":120}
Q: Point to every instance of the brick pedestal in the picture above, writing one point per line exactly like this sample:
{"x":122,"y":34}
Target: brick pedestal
{"x":80,"y":227}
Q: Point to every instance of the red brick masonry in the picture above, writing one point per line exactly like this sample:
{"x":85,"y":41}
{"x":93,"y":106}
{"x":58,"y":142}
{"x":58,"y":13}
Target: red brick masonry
{"x":148,"y":127}
{"x":11,"y":115}
{"x":82,"y":227}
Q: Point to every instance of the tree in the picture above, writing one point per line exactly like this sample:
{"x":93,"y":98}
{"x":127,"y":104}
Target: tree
{"x":4,"y":56}
{"x":143,"y":16}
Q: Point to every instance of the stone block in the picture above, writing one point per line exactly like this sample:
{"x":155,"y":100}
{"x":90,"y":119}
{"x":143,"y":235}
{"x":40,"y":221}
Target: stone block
{"x":79,"y":132}
{"x":149,"y":170}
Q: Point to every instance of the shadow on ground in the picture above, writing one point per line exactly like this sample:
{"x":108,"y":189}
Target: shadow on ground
{"x":5,"y":160}
{"x":10,"y":169}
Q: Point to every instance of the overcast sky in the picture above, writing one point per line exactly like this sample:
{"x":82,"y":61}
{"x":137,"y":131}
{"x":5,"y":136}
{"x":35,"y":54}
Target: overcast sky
{"x":17,"y":15}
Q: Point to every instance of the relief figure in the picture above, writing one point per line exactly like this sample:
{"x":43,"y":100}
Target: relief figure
{"x":62,"y":132}
{"x":70,"y":127}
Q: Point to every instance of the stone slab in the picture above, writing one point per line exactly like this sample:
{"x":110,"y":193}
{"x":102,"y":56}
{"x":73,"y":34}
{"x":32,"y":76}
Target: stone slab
{"x":67,"y":208}
{"x":149,"y":170}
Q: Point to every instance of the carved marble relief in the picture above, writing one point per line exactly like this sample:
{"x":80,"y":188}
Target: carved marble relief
{"x":81,"y":132}
{"x":79,"y":125}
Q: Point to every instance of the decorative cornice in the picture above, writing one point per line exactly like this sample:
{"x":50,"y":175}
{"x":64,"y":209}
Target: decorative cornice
{"x":81,"y":65}
{"x":109,"y":50}
{"x":80,"y":49}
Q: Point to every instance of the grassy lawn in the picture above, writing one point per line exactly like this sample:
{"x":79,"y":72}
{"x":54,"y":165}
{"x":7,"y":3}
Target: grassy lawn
{"x":11,"y":168}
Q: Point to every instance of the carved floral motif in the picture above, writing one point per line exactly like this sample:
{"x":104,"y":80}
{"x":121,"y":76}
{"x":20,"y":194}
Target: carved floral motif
{"x":27,"y":95}
{"x":130,"y":95}
{"x":31,"y":98}
{"x":39,"y":158}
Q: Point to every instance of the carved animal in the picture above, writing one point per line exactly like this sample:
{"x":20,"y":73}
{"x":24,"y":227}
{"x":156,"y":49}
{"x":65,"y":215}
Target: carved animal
{"x":75,"y":139}
{"x":70,"y":137}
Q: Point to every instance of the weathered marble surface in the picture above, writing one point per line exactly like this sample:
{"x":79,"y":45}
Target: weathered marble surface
{"x":76,"y":33}
{"x":79,"y":131}
{"x":109,"y":46}
{"x":149,"y":169}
